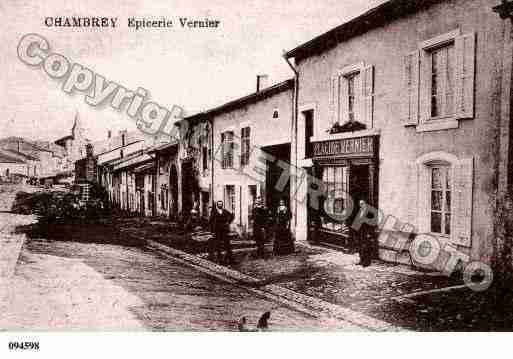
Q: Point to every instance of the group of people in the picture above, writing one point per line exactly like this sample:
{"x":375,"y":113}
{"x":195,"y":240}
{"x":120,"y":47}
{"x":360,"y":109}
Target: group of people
{"x":267,"y":224}
{"x":263,"y":222}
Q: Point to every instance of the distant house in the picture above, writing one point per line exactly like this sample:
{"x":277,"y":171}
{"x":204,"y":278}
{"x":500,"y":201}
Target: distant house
{"x":11,"y":167}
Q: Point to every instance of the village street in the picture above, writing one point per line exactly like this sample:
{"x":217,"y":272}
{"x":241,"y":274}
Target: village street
{"x":132,"y":273}
{"x":63,"y":285}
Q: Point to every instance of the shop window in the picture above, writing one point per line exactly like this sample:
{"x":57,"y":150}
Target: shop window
{"x":228,"y":149}
{"x":245,"y":146}
{"x":229,"y":198}
{"x":439,"y":82}
{"x":335,"y":179}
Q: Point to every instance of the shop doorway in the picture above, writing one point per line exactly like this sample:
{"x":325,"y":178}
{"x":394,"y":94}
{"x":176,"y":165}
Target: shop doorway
{"x":359,"y":183}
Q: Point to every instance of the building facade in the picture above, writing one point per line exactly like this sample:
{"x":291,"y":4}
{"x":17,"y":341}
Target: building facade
{"x":251,"y":144}
{"x":405,"y":107}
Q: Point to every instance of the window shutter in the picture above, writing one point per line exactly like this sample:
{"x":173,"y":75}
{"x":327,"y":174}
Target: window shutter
{"x":461,"y":226}
{"x":465,"y":73}
{"x":334,"y":98}
{"x":410,"y":194}
{"x":223,"y":150}
{"x":410,"y":96}
{"x":423,"y":201}
{"x":367,"y":95}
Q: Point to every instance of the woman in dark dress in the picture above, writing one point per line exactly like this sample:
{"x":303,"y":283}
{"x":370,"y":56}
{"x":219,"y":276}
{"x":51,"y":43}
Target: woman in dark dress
{"x":283,"y":243}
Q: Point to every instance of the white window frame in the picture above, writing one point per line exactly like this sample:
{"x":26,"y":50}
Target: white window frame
{"x":342,"y":100}
{"x":364,"y":94}
{"x":418,"y":195}
{"x":417,"y":87}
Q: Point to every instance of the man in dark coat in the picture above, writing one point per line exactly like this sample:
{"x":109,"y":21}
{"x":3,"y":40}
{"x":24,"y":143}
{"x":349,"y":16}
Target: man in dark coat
{"x":365,"y":237}
{"x":220,"y":220}
{"x":260,"y":221}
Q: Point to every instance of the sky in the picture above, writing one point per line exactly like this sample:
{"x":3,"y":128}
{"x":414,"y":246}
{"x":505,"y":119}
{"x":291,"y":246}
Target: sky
{"x":195,"y":69}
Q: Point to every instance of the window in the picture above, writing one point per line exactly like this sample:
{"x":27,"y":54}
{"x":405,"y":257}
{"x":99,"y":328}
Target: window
{"x":335,"y":178}
{"x":164,"y":198}
{"x":438,"y":196}
{"x":205,"y":148}
{"x":245,"y":146}
{"x":309,"y":130}
{"x":440,"y":220}
{"x":439,"y":82}
{"x":228,"y":149}
{"x":229,"y":198}
{"x":352,"y":95}
{"x":442,"y":81}
{"x":252,"y":194}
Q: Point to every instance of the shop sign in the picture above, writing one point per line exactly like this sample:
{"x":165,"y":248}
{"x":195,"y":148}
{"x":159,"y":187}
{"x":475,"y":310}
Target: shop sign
{"x":347,"y":147}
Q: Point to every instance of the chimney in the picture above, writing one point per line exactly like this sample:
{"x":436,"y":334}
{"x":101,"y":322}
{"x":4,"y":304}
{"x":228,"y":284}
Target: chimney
{"x":262,"y":82}
{"x":123,"y":137}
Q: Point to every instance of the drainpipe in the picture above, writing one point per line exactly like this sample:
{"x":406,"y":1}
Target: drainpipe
{"x":293,"y":131}
{"x":211,"y":121}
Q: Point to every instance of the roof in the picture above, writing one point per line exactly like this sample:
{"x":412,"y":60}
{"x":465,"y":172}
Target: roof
{"x":376,"y":17}
{"x":56,"y":149}
{"x":23,"y":142}
{"x":5,"y":158}
{"x":61,"y":140}
{"x":242,"y":101}
{"x":20,"y":155}
{"x":136,"y":160}
{"x":163,"y":147}
{"x":144,"y":168}
{"x":114,"y":143}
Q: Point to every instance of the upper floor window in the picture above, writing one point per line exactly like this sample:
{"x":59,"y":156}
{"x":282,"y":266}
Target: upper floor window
{"x":438,"y":85}
{"x":351,"y":95}
{"x":245,"y":146}
{"x":442,"y":81}
{"x":228,"y":149}
{"x":205,"y":148}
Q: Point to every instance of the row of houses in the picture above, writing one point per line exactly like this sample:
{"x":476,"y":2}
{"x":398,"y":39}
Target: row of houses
{"x":407,"y":106}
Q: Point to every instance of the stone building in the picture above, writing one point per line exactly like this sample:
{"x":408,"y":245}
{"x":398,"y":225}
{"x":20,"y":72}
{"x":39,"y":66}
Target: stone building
{"x":243,"y":151}
{"x":407,"y":107}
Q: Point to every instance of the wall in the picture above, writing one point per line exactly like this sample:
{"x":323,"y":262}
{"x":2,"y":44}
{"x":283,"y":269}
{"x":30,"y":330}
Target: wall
{"x":265,"y":131}
{"x":384,"y":47}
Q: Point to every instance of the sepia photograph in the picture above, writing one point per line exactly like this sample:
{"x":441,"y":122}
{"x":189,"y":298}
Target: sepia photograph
{"x":255,"y":166}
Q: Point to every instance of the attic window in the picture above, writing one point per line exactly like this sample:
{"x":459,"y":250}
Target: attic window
{"x":276,"y":113}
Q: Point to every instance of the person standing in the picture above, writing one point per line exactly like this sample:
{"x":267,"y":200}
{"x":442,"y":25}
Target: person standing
{"x":220,"y":220}
{"x":282,"y":240}
{"x":260,"y":221}
{"x":365,"y":237}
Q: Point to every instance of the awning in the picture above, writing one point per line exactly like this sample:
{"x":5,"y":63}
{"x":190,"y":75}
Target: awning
{"x":144,"y":168}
